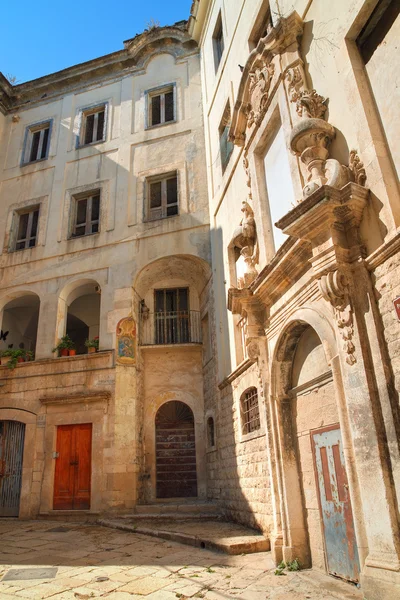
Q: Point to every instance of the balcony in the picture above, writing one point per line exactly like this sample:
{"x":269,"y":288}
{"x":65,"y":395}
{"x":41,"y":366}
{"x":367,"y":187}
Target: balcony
{"x":166,"y":328}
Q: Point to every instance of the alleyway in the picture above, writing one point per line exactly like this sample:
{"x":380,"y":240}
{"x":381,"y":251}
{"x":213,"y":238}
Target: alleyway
{"x":90,"y":561}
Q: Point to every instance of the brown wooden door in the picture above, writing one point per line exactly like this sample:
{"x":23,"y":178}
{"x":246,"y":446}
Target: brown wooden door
{"x":175,"y":451}
{"x":73,"y":467}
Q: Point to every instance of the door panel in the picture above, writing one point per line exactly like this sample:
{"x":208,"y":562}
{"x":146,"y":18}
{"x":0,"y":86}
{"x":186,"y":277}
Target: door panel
{"x":12,"y":434}
{"x":73,"y":467}
{"x":175,"y":451}
{"x":335,"y":506}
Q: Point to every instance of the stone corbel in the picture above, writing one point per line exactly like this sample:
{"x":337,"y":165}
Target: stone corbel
{"x":334,"y":289}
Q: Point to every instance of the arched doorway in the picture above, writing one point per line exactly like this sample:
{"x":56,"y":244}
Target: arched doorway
{"x":20,"y":323}
{"x":12,"y":435}
{"x":313,"y":466}
{"x":175,"y":451}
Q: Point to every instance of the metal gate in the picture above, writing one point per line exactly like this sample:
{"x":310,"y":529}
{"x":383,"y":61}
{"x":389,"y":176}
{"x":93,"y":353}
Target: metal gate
{"x":337,"y":517}
{"x":12,"y":434}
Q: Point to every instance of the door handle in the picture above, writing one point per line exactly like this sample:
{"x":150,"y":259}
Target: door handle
{"x":74,"y":463}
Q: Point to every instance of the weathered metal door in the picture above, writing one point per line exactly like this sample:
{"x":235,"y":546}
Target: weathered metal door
{"x":73,"y":467}
{"x":12,"y":434}
{"x":175,"y":451}
{"x":337,"y":517}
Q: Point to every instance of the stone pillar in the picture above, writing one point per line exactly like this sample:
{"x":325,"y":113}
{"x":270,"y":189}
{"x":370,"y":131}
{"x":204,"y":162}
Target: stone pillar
{"x":329,"y":219}
{"x":49,"y":317}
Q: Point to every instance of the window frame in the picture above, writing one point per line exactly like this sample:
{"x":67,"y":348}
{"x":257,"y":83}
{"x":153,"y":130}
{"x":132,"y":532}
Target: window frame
{"x":160,"y":91}
{"x":83,"y":114}
{"x":248,"y":394}
{"x":218,"y":41}
{"x":163,"y":178}
{"x":223,"y":129}
{"x":16,"y":222}
{"x":30,"y":130}
{"x":89,"y":195}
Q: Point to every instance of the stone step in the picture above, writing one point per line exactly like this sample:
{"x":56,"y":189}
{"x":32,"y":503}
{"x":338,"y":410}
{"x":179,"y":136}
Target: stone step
{"x":178,"y":508}
{"x":81,"y":516}
{"x":210,"y":534}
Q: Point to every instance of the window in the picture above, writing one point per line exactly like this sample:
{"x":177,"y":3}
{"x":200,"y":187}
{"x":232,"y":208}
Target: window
{"x":37,"y":142}
{"x":172,"y":316}
{"x":210,"y":432}
{"x":249,"y":411}
{"x":86,"y":214}
{"x":26,"y":227}
{"x":218,"y":42}
{"x":161,"y":107}
{"x":225,"y":146}
{"x":262,"y":26}
{"x":93,"y":128}
{"x":162,"y":197}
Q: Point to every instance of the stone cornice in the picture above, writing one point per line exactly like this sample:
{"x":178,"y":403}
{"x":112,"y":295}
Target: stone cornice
{"x":77,"y":398}
{"x":133,"y":57}
{"x":240,"y":369}
{"x":383,"y":253}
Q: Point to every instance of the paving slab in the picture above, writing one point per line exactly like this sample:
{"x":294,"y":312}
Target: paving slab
{"x":213,"y":534}
{"x":147,"y":568}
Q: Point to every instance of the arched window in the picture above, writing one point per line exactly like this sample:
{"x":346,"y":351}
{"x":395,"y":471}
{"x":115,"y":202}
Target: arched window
{"x":210,"y":432}
{"x":20,"y":323}
{"x":250,"y":411}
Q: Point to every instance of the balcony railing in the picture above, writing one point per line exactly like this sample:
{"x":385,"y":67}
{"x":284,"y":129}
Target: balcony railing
{"x":175,"y":327}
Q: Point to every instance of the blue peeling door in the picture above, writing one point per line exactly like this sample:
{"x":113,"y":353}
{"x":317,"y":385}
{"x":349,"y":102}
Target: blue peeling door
{"x":337,"y":516}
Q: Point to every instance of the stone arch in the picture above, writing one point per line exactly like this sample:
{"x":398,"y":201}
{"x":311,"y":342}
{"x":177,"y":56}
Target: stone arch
{"x":152,"y":406}
{"x":79,"y":308}
{"x":306,"y":397}
{"x":20,"y":317}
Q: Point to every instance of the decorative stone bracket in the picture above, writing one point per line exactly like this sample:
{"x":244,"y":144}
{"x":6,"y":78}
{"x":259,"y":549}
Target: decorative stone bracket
{"x":334,"y":289}
{"x":242,"y":302}
{"x":245,"y":239}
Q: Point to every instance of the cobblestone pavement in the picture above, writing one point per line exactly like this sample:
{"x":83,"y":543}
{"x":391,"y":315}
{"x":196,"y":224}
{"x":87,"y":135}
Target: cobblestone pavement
{"x":96,"y":562}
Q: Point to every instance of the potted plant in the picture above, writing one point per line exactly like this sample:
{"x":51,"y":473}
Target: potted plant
{"x":11,"y":357}
{"x":29,"y":355}
{"x":92,"y":345}
{"x":65,"y":346}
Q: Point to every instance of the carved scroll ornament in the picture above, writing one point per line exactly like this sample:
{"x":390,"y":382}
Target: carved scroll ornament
{"x":245,"y":239}
{"x":260,"y":82}
{"x":334,"y":289}
{"x":311,"y":138}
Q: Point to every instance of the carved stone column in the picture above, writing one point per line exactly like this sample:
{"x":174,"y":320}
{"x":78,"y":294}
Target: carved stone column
{"x":329,"y":219}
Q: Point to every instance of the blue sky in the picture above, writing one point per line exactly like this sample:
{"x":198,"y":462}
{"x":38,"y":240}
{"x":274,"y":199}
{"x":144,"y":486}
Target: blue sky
{"x":39,"y":38}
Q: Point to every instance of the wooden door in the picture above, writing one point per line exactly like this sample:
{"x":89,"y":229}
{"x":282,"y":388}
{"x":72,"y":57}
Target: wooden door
{"x":334,"y":500}
{"x":175,"y":451}
{"x":12,"y":435}
{"x":73,"y":467}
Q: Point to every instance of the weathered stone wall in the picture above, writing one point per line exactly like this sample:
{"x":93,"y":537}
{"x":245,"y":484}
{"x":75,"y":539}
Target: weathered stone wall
{"x":387,"y":289}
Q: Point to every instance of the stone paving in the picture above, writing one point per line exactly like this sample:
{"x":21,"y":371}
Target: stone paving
{"x":97,"y":562}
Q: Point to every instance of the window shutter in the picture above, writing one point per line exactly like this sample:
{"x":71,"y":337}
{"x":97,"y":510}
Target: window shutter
{"x":169,"y":106}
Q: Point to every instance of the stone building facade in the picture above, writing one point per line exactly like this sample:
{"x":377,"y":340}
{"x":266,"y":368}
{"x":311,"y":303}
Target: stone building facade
{"x":218,"y":203}
{"x":299,"y":102}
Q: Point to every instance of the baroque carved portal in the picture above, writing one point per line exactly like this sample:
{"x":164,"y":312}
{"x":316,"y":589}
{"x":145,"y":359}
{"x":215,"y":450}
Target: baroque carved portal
{"x":260,"y":82}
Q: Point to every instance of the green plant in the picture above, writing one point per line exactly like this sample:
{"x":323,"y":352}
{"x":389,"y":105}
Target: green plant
{"x":210,"y":570}
{"x":14,"y":356}
{"x":291,"y":565}
{"x":94,"y":343}
{"x":29,"y":354}
{"x":64,"y":344}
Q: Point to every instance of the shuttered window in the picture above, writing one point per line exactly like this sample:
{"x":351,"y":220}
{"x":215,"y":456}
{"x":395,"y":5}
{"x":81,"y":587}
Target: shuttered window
{"x":162,"y":197}
{"x":27,"y":226}
{"x":161,"y":107}
{"x":225,"y":145}
{"x":218,"y":42}
{"x":93,"y":125}
{"x":250,"y":411}
{"x":87,"y":215}
{"x":37,"y":143}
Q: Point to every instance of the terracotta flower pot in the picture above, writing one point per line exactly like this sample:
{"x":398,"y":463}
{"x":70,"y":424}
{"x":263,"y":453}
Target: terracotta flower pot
{"x":72,"y":352}
{"x":64,"y":352}
{"x":20,"y":359}
{"x":91,"y":350}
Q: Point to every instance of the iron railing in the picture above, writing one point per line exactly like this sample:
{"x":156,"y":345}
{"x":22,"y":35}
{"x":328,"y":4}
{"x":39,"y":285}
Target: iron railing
{"x":174,"y":327}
